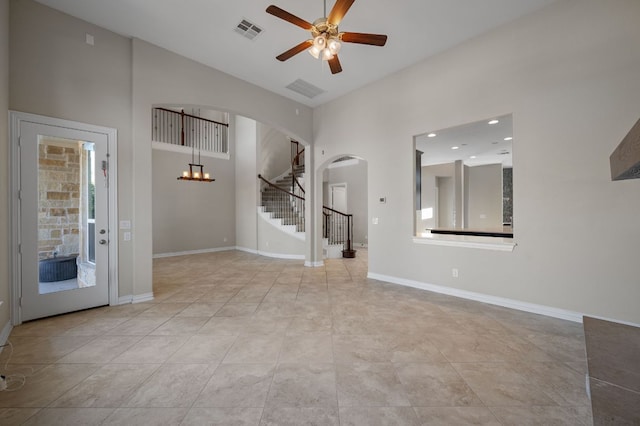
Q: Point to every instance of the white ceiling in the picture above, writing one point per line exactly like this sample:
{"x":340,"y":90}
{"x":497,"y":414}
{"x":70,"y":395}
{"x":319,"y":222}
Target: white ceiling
{"x":203,"y":30}
{"x":477,"y":143}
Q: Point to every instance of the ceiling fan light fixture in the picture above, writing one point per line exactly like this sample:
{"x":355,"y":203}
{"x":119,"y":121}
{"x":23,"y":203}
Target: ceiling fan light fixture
{"x":320,"y":41}
{"x":334,"y":45}
{"x":326,"y":40}
{"x":314,"y":51}
{"x":327,"y":55}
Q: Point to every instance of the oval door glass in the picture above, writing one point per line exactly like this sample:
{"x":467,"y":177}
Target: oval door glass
{"x":66,"y":214}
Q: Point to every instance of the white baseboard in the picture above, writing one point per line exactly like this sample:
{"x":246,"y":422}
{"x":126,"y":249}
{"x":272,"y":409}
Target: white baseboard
{"x":138,"y":298}
{"x":281,"y":256}
{"x":479,"y":297}
{"x":317,"y":264}
{"x":186,"y":253}
{"x":247,"y":250}
{"x":4,"y":334}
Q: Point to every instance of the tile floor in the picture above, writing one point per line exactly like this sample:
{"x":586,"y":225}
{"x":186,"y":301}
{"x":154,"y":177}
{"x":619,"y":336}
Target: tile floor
{"x":238,"y":339}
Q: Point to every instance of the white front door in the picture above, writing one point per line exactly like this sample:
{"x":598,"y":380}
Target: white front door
{"x":63,"y":220}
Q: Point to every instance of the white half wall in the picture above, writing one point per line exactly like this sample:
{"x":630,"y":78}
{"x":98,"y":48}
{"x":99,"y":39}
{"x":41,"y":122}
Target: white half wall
{"x":275,"y":242}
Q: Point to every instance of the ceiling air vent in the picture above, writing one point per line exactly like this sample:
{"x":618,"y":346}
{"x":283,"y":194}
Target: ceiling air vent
{"x":305,"y":89}
{"x":248,"y":29}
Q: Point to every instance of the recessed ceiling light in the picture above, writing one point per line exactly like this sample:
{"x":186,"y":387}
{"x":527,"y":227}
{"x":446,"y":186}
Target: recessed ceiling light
{"x":455,"y":147}
{"x":472,"y":157}
{"x":431,"y":135}
{"x":494,"y":122}
{"x":508,"y":138}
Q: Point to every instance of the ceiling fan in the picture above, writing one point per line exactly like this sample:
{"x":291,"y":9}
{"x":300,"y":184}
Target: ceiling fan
{"x":326,"y":40}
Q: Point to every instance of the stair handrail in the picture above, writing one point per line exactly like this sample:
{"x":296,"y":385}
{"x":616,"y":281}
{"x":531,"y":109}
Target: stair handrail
{"x":295,"y":161}
{"x":339,"y":236}
{"x":334,"y":236}
{"x":279,"y":188}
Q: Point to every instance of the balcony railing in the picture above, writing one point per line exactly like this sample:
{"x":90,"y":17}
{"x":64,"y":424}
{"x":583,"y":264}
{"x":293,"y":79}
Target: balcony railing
{"x":178,"y":128}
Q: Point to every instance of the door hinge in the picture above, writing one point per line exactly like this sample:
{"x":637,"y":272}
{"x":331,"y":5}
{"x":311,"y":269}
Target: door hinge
{"x":19,"y":140}
{"x":19,"y":248}
{"x":20,"y":194}
{"x":20,"y":301}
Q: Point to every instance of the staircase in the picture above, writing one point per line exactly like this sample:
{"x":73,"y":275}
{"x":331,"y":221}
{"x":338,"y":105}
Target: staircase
{"x":284,"y":203}
{"x":284,"y":200}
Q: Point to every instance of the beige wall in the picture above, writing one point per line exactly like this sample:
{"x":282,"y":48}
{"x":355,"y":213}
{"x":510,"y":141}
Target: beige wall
{"x":272,"y":241}
{"x":115,"y":83}
{"x":187,"y":215}
{"x":484,"y":196}
{"x":4,"y":163}
{"x":55,"y":73}
{"x":164,"y":78}
{"x":247,"y":186}
{"x":429,"y":193}
{"x":355,"y":176}
{"x":274,"y":149}
{"x":569,"y":75}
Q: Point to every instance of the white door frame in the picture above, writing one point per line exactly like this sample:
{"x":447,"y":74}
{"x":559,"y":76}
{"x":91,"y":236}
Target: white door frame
{"x":346,"y":193}
{"x":15,"y":119}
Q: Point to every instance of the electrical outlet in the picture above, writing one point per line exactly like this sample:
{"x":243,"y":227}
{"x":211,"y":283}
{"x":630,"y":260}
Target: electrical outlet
{"x":454,"y":272}
{"x":3,"y":383}
{"x":225,"y":239}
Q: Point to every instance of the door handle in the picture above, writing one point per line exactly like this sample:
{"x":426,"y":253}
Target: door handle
{"x":103,"y":242}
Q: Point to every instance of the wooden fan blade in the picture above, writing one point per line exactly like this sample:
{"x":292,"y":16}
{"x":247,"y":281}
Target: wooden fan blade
{"x":339,"y":10}
{"x":334,"y":64}
{"x":283,"y":14}
{"x":363,"y":38}
{"x":294,"y":50}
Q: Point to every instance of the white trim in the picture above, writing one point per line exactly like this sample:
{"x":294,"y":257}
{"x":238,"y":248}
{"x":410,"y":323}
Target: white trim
{"x":125,"y":300}
{"x":4,"y":335}
{"x":310,"y":264}
{"x":189,"y":252}
{"x":344,"y":163}
{"x":139,"y":298}
{"x":114,"y":229}
{"x":281,"y":256}
{"x":484,"y":298}
{"x":15,"y":120}
{"x":468,"y":241}
{"x":162,"y":146}
{"x":346,"y":193}
{"x":247,"y":250}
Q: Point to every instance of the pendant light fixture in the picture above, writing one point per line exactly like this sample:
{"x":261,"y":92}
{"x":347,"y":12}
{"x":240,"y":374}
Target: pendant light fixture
{"x":198,"y":174}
